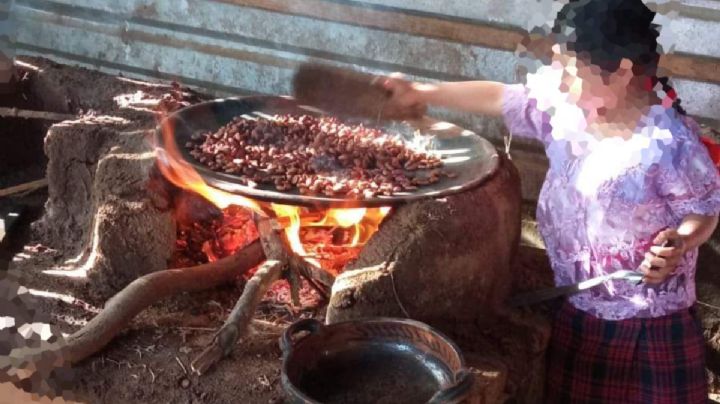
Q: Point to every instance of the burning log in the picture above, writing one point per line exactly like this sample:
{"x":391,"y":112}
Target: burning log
{"x":280,"y":259}
{"x":319,"y":279}
{"x":240,"y":317}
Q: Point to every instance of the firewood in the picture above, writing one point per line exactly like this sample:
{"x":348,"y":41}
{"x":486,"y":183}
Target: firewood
{"x":237,"y":323}
{"x":318,"y":278}
{"x":277,"y":251}
{"x":124,"y":306}
{"x":22,"y":188}
{"x":280,"y":257}
{"x":346,"y":92}
{"x":43,"y":115}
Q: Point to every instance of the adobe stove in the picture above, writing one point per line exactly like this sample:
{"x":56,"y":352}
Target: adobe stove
{"x":435,"y":246}
{"x":431,"y":236}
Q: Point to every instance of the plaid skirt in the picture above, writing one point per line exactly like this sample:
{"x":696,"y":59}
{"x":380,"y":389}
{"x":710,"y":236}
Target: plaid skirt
{"x":648,"y":361}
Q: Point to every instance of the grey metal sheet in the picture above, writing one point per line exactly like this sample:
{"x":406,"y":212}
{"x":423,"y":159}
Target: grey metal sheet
{"x":220,"y":46}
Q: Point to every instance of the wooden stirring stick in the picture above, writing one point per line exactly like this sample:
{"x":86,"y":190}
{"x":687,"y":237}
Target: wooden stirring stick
{"x":347,"y":93}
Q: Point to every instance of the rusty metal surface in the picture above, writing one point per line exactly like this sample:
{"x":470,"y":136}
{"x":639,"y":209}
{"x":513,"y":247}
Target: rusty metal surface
{"x":464,"y":153}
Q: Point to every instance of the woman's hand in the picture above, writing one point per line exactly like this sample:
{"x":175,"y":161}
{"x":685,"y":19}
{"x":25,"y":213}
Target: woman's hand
{"x":406,"y":97}
{"x":664,"y":256}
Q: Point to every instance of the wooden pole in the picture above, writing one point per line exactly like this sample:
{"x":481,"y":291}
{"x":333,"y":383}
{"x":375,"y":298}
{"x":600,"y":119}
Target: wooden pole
{"x":26,"y":187}
{"x":27,"y":114}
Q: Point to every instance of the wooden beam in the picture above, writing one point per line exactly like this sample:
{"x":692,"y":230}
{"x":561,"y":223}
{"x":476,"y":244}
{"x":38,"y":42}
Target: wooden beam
{"x":22,"y":188}
{"x":396,"y":21}
{"x":43,"y":115}
{"x":691,"y":67}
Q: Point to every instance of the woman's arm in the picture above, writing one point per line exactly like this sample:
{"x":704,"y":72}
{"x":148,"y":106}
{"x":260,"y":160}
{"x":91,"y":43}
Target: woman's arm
{"x":695,"y":230}
{"x":480,"y":97}
{"x":489,"y":98}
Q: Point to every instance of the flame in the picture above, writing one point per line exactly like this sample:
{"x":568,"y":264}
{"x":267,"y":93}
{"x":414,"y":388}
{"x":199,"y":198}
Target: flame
{"x":346,"y":217}
{"x":362,"y":223}
{"x":183,"y":175}
{"x":359,"y":224}
{"x":293,"y":230}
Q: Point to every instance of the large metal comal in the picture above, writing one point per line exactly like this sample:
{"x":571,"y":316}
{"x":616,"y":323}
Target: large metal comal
{"x":463,"y":152}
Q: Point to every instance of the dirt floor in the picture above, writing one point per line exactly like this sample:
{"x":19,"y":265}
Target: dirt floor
{"x":150,"y":362}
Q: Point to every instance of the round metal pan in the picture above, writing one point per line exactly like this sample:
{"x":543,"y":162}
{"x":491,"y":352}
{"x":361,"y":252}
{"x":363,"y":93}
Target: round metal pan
{"x":472,"y":158}
{"x":378,"y":360}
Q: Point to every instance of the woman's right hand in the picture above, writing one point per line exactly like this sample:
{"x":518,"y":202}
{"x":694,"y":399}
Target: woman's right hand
{"x":406,"y":98}
{"x":409,"y":98}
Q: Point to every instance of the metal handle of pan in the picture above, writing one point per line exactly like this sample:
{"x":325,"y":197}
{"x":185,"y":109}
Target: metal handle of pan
{"x":288,"y":341}
{"x":457,"y":392}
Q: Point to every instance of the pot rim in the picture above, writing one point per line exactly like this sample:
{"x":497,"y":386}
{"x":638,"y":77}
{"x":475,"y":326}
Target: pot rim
{"x":288,"y":385}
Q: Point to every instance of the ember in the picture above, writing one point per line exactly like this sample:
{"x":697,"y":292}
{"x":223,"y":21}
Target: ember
{"x":330,"y":239}
{"x":333,"y":238}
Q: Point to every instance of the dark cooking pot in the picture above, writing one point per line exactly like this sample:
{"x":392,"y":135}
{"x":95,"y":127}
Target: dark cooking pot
{"x":379,"y":360}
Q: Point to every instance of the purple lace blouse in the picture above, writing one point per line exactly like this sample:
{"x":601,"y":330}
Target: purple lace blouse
{"x":604,"y":201}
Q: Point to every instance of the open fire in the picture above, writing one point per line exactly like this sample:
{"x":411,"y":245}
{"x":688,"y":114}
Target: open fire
{"x":327,"y":238}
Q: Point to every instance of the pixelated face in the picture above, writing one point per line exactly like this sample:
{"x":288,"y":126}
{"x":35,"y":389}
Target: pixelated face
{"x":591,"y":88}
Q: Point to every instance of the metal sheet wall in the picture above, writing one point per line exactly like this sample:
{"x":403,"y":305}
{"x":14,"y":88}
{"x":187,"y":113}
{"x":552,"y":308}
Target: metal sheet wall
{"x":252,"y":46}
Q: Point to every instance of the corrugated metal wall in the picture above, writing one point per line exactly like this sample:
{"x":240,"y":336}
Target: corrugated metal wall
{"x":252,"y":46}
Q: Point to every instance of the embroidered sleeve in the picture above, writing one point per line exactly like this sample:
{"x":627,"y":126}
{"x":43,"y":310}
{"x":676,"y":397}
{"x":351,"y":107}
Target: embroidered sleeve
{"x":521,"y":115}
{"x":689,"y":180}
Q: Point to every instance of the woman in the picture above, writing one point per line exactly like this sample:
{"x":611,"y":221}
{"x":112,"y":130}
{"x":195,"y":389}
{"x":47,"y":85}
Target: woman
{"x":630,"y":186}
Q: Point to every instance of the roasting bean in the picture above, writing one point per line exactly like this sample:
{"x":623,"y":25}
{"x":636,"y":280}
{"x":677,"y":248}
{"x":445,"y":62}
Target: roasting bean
{"x":315,"y":156}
